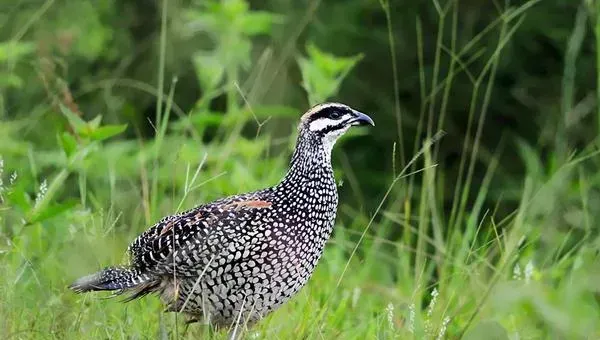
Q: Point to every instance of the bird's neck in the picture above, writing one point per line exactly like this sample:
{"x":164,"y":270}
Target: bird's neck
{"x":311,"y":160}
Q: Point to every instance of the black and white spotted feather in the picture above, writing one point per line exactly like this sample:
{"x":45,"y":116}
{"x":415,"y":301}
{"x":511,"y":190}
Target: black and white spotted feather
{"x":247,"y":253}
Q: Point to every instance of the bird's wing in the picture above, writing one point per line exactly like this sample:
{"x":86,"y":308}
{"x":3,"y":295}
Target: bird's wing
{"x":190,"y":240}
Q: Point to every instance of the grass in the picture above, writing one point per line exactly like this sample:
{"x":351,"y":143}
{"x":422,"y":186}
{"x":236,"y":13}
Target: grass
{"x":467,"y":273}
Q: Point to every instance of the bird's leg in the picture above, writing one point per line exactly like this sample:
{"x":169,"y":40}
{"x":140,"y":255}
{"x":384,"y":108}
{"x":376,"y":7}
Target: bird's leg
{"x":191,"y":320}
{"x":186,"y":327}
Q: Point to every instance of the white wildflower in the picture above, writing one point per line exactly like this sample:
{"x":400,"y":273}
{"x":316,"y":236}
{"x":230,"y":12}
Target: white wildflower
{"x":42,"y":192}
{"x":355,"y":296}
{"x":390,"y":314}
{"x":428,"y":327}
{"x":529,"y":267}
{"x":443,"y":328}
{"x":1,"y":172}
{"x":411,"y":318}
{"x":517,"y":272}
{"x":434,"y":295}
{"x":13,"y":178}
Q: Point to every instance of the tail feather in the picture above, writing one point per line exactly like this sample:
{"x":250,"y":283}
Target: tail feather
{"x":141,"y":290}
{"x":111,"y":278}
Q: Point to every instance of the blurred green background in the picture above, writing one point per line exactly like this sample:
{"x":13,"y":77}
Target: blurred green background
{"x":480,"y":181}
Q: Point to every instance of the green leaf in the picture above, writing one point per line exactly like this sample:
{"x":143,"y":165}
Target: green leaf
{"x":323,"y":73}
{"x":68,"y":143}
{"x":8,"y":80}
{"x":258,"y":22}
{"x":105,"y":132}
{"x":209,"y":70}
{"x":487,"y":329}
{"x":19,"y":198}
{"x":531,"y":158}
{"x":11,"y":51}
{"x":232,"y":9}
{"x":230,"y":24}
{"x":52,"y":211}
{"x":95,"y":123}
{"x":199,"y":120}
{"x":75,"y":121}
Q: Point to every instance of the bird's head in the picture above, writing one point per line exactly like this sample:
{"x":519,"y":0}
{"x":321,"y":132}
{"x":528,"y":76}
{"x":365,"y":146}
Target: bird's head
{"x":328,"y":121}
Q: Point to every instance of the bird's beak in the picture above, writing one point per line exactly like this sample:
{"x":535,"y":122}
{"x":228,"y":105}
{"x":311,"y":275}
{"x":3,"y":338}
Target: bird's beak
{"x":362,"y":119}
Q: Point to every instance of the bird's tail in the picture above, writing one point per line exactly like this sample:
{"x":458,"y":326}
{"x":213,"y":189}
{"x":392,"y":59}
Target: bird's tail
{"x":118,"y":279}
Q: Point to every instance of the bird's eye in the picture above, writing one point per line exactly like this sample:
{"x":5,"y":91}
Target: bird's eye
{"x":335,"y":115}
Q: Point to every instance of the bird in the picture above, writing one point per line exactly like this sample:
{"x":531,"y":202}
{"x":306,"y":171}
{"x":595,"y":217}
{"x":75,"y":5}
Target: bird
{"x":243,"y":256}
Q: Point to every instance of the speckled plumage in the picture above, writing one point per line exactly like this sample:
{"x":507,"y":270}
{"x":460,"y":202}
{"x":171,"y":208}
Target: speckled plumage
{"x":250,"y":252}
